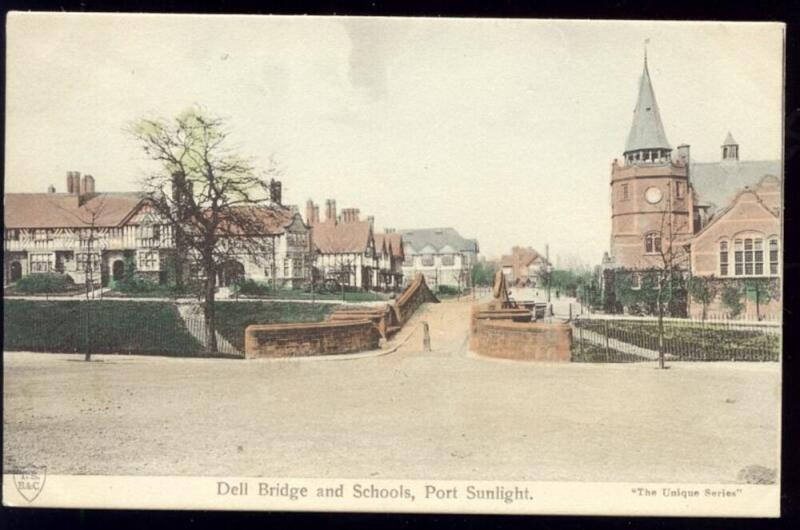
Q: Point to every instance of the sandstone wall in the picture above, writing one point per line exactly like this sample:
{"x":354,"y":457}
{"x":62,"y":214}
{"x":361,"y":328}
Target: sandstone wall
{"x":416,"y":294}
{"x":534,"y":341}
{"x":318,"y":338}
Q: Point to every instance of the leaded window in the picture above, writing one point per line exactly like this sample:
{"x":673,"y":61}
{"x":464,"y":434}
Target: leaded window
{"x":723,"y":258}
{"x":773,"y":256}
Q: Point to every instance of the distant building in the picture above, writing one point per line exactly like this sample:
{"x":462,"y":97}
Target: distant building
{"x":389,"y":247}
{"x":523,"y":267}
{"x":104,"y":233}
{"x":442,"y":255}
{"x":344,"y":246}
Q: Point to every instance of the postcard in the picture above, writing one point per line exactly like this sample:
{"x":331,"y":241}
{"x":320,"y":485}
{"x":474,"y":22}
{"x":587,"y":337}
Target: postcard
{"x":390,"y":264}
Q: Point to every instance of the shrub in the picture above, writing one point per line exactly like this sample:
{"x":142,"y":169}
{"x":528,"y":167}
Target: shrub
{"x":136,"y":284}
{"x":448,"y":289}
{"x":44,"y":282}
{"x":248,"y":286}
{"x":731,"y":297}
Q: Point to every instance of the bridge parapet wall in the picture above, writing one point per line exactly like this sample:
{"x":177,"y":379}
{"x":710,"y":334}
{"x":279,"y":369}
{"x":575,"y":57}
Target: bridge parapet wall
{"x":317,"y":338}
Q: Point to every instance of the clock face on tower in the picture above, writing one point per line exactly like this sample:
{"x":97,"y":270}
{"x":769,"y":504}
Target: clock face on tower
{"x":652,"y":195}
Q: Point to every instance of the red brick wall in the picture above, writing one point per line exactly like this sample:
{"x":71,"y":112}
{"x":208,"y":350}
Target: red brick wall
{"x":319,"y":338}
{"x":535,"y":341}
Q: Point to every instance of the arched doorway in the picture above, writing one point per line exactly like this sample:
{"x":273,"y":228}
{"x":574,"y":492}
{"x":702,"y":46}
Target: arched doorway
{"x":231,"y":271}
{"x":118,"y":270}
{"x":15,"y":271}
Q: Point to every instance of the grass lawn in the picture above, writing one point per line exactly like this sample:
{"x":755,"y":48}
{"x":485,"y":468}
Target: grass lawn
{"x":691,"y":341}
{"x":234,"y":317}
{"x":109,"y":326}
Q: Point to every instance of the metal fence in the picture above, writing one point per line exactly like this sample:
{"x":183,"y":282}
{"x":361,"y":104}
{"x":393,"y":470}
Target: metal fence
{"x":598,"y":339}
{"x":99,"y":326}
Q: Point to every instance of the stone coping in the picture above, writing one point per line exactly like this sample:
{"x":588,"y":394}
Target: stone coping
{"x":302,"y":325}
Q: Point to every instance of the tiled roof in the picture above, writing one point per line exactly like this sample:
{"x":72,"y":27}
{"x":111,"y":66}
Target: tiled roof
{"x":520,"y":257}
{"x":266,"y":220}
{"x":763,"y":185}
{"x":342,"y":238}
{"x":64,"y":210}
{"x":393,"y":242}
{"x":418,"y":238}
{"x":717,"y":183}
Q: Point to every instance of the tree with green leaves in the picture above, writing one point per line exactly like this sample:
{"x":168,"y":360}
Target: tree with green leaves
{"x":211,"y":197}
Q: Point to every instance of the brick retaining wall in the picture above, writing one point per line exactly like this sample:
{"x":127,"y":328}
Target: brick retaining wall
{"x":317,"y":338}
{"x":347,"y":330}
{"x":535,"y":341}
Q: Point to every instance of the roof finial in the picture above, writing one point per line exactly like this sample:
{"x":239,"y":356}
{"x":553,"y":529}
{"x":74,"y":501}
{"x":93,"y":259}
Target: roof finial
{"x":646,"y":42}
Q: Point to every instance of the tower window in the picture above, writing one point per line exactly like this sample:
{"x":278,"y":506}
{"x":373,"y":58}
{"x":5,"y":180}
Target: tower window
{"x":652,"y":243}
{"x":625,"y":194}
{"x":678,"y":190}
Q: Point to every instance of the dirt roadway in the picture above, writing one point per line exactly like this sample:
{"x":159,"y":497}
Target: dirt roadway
{"x":443,"y":414}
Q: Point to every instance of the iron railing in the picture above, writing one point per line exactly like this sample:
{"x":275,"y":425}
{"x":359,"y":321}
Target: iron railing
{"x":598,"y":339}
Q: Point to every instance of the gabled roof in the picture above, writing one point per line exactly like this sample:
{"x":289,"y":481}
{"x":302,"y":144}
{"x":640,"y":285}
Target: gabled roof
{"x":419,"y":238}
{"x":67,"y":210}
{"x":342,"y":238}
{"x":391,"y":243}
{"x":716,"y":183}
{"x":722,"y":213}
{"x":647,"y":130}
{"x":522,"y":257}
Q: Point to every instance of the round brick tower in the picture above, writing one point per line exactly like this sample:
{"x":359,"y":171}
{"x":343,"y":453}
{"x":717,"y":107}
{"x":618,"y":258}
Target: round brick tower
{"x":650,"y":196}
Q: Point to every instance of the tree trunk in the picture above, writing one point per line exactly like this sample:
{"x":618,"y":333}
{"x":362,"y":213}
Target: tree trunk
{"x":179,"y":250}
{"x":209,"y":316}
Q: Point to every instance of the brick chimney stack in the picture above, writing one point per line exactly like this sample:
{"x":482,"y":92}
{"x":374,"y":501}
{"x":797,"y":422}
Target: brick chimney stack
{"x":86,"y":185}
{"x":275,"y":191}
{"x":309,"y":212}
{"x":330,"y":210}
{"x":350,"y":215}
{"x":76,"y":182}
{"x":73,"y":182}
{"x":683,"y":154}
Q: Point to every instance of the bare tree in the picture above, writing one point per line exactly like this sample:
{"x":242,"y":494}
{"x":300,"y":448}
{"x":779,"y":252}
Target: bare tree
{"x":213,"y":198}
{"x":672,"y":260}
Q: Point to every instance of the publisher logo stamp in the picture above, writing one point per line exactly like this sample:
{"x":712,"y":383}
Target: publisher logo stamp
{"x":30,"y":483}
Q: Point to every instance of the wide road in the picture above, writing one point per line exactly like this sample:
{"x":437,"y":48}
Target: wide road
{"x":411,"y":414}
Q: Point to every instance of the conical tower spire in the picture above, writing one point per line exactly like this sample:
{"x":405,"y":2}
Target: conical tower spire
{"x":647,"y":130}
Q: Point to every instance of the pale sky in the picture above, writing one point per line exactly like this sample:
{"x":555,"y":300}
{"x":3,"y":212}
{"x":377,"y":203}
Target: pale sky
{"x":502,"y":129}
